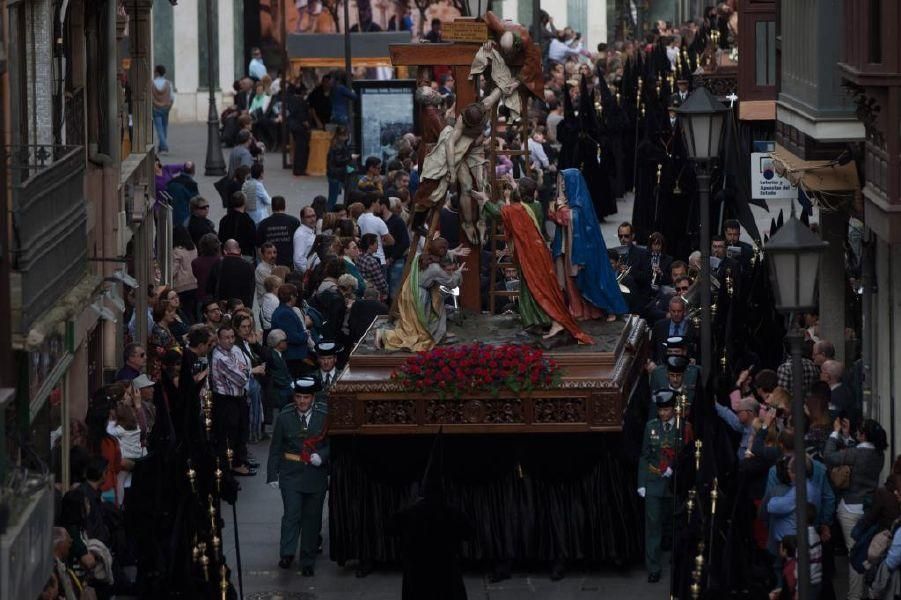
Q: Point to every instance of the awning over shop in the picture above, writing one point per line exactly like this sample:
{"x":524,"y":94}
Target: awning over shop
{"x":816,"y":175}
{"x":757,"y":110}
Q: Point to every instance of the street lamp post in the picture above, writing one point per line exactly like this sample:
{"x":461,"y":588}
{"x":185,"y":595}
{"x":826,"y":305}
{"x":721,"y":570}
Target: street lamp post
{"x":215,"y":164}
{"x":702,"y":117}
{"x":794,"y":257}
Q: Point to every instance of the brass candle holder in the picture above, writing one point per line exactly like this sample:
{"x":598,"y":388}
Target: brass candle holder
{"x":212,"y":512}
{"x":698,"y":445}
{"x":218,"y":474}
{"x":205,"y":564}
{"x":207,"y":405}
{"x":690,"y":503}
{"x":192,"y":476}
{"x":223,"y":582}
{"x":229,"y":457}
{"x":714,"y":494}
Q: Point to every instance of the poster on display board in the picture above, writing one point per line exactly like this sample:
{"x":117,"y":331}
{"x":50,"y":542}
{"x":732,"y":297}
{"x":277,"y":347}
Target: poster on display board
{"x":766,"y":184}
{"x":384,"y":112}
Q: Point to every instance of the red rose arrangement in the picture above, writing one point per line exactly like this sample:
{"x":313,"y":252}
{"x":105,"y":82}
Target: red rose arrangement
{"x":471,"y":368}
{"x":667,"y":459}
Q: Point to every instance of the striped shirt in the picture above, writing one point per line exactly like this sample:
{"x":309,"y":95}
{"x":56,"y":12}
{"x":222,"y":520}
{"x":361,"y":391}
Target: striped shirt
{"x":229,"y":372}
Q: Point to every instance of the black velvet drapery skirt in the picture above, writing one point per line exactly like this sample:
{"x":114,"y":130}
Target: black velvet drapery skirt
{"x":536,"y":497}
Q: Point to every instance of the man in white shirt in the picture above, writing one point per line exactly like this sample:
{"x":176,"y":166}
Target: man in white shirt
{"x":268,"y":254}
{"x":256,"y":70}
{"x":304,"y":237}
{"x":562,"y":47}
{"x":369,"y":222}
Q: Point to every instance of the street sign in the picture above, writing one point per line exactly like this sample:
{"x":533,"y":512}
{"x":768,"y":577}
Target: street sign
{"x":465,"y":31}
{"x":766,"y":184}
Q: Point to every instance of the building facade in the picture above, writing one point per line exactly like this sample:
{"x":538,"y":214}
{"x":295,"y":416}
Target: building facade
{"x":869,"y":66}
{"x":817,"y":135}
{"x":78,"y":205}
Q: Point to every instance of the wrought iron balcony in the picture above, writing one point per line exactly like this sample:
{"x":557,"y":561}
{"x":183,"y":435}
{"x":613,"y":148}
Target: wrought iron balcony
{"x":49,"y":242}
{"x":722,"y":82}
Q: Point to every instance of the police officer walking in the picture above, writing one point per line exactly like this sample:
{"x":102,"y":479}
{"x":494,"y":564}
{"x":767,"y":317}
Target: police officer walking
{"x":655,"y":472}
{"x":298,"y":459}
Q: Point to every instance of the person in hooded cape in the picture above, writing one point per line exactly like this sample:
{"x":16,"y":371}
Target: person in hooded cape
{"x":585,"y":147}
{"x":580,"y":254}
{"x":431,"y":531}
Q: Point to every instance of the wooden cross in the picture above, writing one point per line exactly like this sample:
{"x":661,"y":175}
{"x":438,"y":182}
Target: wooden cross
{"x":458,"y":56}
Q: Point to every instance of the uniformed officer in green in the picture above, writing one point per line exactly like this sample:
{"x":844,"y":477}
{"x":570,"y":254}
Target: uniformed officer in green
{"x":298,"y":466}
{"x":655,"y":470}
{"x":659,"y":379}
{"x":327,"y":361}
{"x":675,"y":382}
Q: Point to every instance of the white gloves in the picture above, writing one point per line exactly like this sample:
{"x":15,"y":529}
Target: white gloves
{"x":273,"y":485}
{"x":315,"y":460}
{"x":668,"y":472}
{"x":642,"y":491}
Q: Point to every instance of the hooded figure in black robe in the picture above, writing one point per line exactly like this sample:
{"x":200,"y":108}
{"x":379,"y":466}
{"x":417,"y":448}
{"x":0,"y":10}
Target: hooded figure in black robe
{"x":430,"y":535}
{"x":584,"y":147}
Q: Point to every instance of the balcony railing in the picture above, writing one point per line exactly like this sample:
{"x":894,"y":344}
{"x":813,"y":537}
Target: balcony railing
{"x":722,"y":82}
{"x":49,"y":243}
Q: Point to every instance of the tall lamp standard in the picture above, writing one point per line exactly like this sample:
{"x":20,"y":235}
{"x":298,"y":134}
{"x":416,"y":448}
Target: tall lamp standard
{"x":794,"y":257}
{"x":215,"y":164}
{"x":702,"y":117}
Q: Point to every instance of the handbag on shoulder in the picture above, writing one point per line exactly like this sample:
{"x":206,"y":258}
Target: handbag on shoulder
{"x":840,"y":477}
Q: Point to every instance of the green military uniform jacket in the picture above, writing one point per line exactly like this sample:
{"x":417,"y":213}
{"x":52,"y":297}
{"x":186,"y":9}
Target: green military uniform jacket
{"x":288,"y":437}
{"x":658,"y":379}
{"x":658,"y":449}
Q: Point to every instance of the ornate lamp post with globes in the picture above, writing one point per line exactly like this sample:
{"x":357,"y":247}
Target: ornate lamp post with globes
{"x":215,"y":164}
{"x":794,"y":258}
{"x":702,"y":117}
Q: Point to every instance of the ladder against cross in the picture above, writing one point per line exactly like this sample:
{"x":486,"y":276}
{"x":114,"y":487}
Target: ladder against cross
{"x":458,"y":56}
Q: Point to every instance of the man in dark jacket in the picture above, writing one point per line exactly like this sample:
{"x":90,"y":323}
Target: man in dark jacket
{"x":237,"y":225}
{"x":232,"y":277}
{"x":278,"y":229}
{"x":181,"y":189}
{"x":639,"y":259}
{"x":299,"y":126}
{"x":199,"y":225}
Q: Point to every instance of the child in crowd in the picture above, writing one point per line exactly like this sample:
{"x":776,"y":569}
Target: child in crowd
{"x":125,"y":429}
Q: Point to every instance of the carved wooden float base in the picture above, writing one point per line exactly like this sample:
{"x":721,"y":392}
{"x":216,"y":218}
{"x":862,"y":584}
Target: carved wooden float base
{"x":594,"y":391}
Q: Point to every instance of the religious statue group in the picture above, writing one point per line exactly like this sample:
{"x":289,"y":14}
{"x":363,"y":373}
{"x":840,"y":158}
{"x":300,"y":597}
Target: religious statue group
{"x":561,"y":285}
